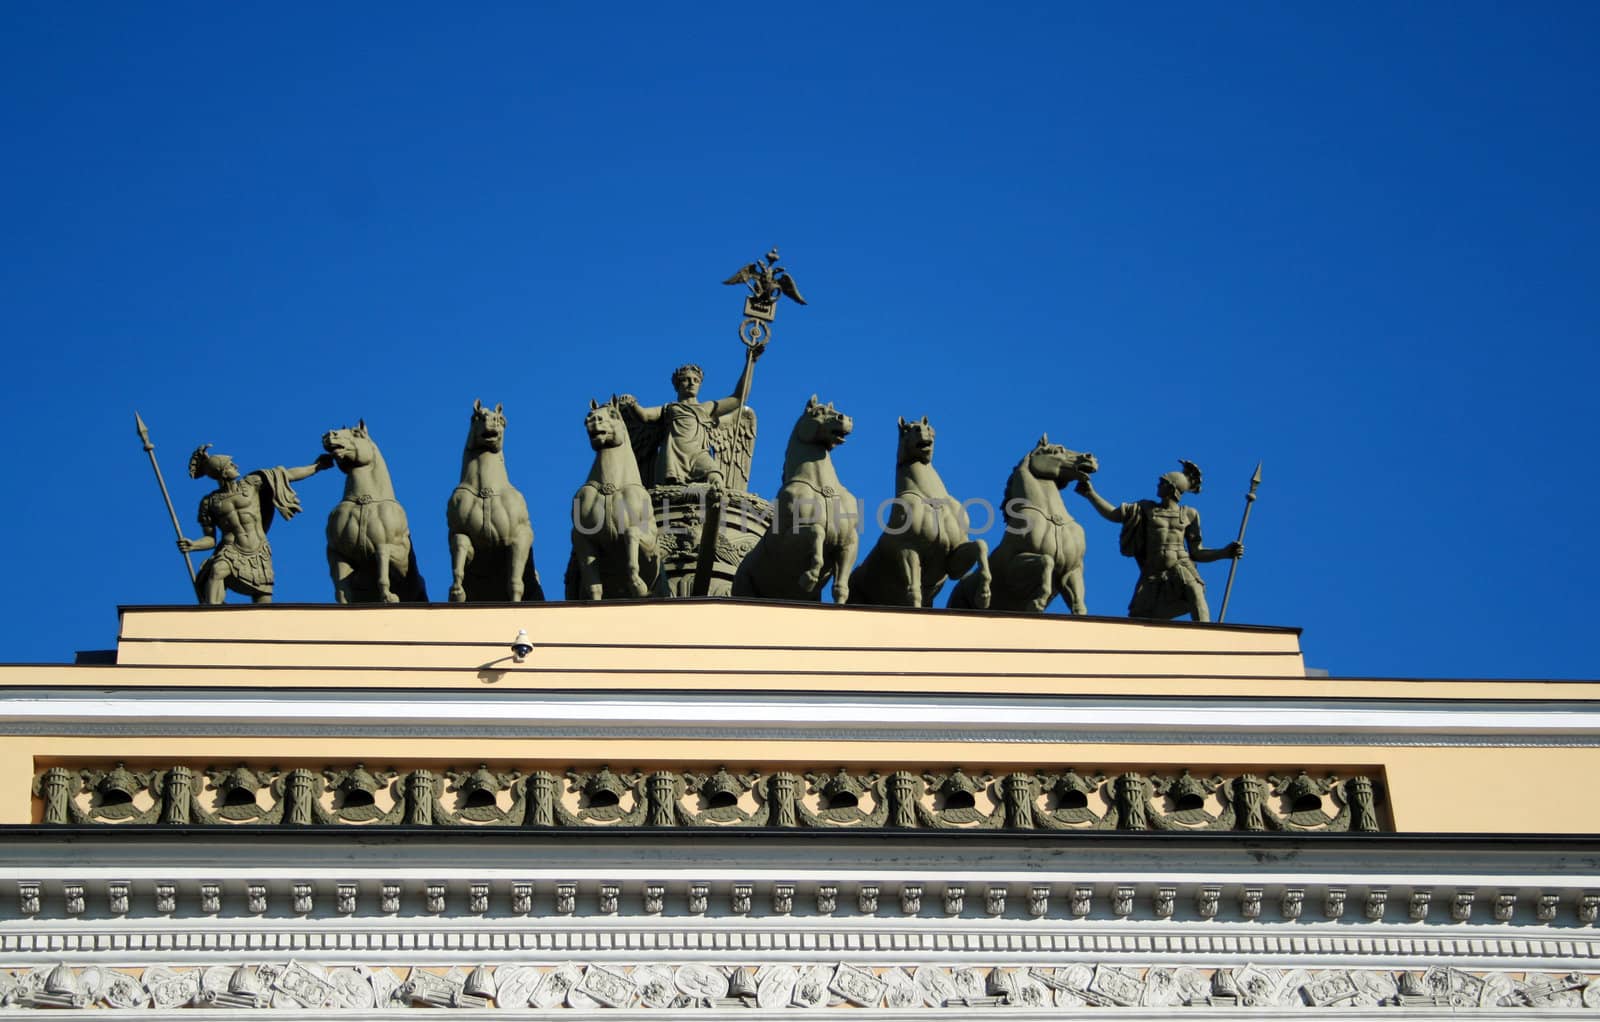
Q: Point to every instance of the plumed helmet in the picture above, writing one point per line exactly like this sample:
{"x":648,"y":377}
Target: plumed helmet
{"x":1187,"y":481}
{"x":203,"y":463}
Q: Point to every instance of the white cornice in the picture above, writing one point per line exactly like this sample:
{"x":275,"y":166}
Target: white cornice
{"x":820,"y":717}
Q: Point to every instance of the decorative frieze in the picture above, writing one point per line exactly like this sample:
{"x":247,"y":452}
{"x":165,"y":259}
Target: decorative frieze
{"x":535,"y":795}
{"x":302,"y":985}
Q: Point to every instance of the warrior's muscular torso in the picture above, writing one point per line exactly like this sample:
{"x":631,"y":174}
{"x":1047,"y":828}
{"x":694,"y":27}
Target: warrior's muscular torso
{"x":235,"y":509}
{"x":1167,"y":534}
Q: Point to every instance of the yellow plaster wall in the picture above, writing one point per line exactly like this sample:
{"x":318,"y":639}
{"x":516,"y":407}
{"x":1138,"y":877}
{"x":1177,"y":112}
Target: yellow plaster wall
{"x":743,"y":646}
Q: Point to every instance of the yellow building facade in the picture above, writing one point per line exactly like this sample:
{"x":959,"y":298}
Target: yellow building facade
{"x":704,"y":806}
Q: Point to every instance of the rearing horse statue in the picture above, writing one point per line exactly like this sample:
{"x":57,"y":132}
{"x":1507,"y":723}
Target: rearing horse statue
{"x":369,"y":542}
{"x":491,"y":538}
{"x":814,"y":533}
{"x":614,"y":549}
{"x":926,"y":539}
{"x":1042,"y":551}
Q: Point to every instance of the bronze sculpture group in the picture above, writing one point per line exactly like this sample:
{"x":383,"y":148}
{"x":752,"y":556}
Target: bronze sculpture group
{"x":666,"y":511}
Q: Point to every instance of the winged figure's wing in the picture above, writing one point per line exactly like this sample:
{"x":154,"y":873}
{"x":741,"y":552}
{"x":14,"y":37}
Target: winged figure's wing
{"x":733,"y":444}
{"x":745,"y":275}
{"x":786,"y":282}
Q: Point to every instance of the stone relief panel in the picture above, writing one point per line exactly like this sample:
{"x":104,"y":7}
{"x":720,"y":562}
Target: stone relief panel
{"x":575,"y":985}
{"x":953,"y":798}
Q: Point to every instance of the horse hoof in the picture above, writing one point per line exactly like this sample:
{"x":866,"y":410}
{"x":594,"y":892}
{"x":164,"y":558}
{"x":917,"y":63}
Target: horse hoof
{"x":458,"y":594}
{"x":389,"y":598}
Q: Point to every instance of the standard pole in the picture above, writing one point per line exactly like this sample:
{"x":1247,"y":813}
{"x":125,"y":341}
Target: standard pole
{"x":1244,"y":523}
{"x":150,"y":449}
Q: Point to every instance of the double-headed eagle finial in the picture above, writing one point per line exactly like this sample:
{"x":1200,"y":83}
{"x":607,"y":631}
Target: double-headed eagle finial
{"x":767,"y":282}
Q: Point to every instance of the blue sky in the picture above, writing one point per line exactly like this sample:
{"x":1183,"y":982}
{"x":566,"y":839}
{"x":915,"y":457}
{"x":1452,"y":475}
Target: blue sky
{"x":1356,"y":242}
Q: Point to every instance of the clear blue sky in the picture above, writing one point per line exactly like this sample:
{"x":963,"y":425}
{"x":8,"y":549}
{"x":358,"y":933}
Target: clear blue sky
{"x":1357,"y":242}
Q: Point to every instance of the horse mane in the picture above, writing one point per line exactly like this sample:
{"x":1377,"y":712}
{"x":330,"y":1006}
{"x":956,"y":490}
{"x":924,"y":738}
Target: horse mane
{"x":794,"y":441}
{"x":1012,"y":483}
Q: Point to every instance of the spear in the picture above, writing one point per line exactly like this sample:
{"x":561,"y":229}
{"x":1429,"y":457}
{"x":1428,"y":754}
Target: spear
{"x":1244,"y":523}
{"x":150,"y":449}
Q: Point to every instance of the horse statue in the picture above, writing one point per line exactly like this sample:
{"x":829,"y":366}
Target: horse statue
{"x":491,"y":538}
{"x":614,"y":550}
{"x":369,"y":542}
{"x":1041,"y":553}
{"x":926,"y":540}
{"x":814,"y":530}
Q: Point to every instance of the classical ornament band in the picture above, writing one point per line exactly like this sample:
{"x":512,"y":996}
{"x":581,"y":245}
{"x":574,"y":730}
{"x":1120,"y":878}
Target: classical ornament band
{"x":1272,"y":799}
{"x":297,"y":984}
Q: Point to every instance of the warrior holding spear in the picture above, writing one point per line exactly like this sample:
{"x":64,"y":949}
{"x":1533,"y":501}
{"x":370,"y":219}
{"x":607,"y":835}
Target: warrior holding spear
{"x":1164,"y":537}
{"x":241,"y":509}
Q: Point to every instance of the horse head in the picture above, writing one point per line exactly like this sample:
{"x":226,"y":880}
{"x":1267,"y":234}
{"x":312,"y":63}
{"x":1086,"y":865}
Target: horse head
{"x":916,"y":442}
{"x":488,"y":429}
{"x":605,"y":425}
{"x":822,"y":425}
{"x":1058,"y":464}
{"x":350,"y":447}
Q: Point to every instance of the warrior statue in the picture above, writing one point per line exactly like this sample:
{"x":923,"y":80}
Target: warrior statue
{"x":241,"y":508}
{"x":1163,"y":536}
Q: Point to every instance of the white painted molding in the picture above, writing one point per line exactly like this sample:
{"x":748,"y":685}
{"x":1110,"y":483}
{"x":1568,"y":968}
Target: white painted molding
{"x":817,"y":717}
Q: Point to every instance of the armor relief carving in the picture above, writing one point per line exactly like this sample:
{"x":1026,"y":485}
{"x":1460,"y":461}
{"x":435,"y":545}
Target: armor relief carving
{"x":549,"y":795}
{"x":309,"y":986}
